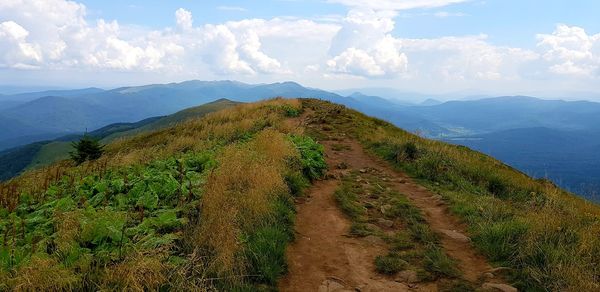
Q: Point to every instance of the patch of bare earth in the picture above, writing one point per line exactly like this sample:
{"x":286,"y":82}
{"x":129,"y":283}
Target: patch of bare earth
{"x":325,"y":258}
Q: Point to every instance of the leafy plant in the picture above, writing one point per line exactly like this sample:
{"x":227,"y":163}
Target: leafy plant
{"x":311,"y":156}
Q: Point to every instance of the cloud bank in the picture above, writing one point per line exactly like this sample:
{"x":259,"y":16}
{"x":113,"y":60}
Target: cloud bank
{"x":58,"y":35}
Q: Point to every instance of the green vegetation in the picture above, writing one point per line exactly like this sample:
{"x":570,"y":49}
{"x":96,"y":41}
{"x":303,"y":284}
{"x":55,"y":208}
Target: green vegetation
{"x":204,"y":205}
{"x":50,"y":153}
{"x":390,"y":264}
{"x":86,"y":149}
{"x":550,"y":239}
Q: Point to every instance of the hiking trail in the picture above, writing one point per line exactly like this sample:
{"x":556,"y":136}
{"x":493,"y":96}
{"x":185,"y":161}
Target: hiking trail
{"x":324,"y":257}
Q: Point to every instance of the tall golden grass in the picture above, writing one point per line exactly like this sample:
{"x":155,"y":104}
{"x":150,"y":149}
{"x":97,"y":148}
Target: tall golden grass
{"x":240,"y":192}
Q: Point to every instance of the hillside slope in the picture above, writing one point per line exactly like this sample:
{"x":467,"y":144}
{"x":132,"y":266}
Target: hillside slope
{"x":172,"y":209}
{"x":208,"y":204}
{"x":38,"y":154}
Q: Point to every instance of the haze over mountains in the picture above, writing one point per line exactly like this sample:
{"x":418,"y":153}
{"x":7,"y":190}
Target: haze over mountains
{"x":545,"y":138}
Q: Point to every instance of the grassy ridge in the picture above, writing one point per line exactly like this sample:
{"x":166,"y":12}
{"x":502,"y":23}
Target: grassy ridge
{"x":199,"y":206}
{"x":550,"y":239}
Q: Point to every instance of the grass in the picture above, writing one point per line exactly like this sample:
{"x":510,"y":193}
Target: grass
{"x":203,"y":205}
{"x":390,"y":264}
{"x":549,"y":238}
{"x":50,"y":153}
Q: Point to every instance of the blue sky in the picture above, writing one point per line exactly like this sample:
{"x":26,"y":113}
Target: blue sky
{"x":495,"y":47}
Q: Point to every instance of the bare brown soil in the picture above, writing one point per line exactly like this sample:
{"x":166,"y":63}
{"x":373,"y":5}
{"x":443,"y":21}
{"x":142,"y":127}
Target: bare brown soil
{"x":325,"y":258}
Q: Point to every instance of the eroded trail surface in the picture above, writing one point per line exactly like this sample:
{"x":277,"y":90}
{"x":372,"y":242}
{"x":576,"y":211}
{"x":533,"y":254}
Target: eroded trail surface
{"x":325,"y":258}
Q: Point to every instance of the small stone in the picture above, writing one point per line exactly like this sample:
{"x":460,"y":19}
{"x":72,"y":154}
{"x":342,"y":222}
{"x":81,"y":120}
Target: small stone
{"x":488,"y":275}
{"x":363,"y":170}
{"x":342,"y":165}
{"x":384,"y":179}
{"x":498,"y":270}
{"x":373,"y":239}
{"x":407,"y":276}
{"x":455,"y":235}
{"x":331,"y":176}
{"x":385,"y":208}
{"x":498,"y":287}
{"x":330,"y":286}
{"x":385,"y":222}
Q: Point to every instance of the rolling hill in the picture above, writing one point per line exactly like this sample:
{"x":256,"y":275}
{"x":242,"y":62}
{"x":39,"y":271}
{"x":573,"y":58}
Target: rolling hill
{"x":38,"y":154}
{"x":204,"y":203}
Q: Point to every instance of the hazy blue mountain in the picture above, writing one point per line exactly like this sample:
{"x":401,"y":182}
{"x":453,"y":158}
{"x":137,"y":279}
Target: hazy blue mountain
{"x":17,"y":89}
{"x":8,"y":104}
{"x":569,"y":158}
{"x":60,"y":114}
{"x":430,"y":102}
{"x":28,"y":96}
{"x":502,"y":113}
{"x":378,"y":101}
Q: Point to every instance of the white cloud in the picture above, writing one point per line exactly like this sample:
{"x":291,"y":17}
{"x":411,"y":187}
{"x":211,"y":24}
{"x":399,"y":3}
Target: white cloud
{"x":17,"y":52}
{"x":184,"y":19}
{"x":464,"y":58}
{"x":570,"y":50}
{"x":364,"y":46}
{"x":395,"y":5}
{"x":232,"y":8}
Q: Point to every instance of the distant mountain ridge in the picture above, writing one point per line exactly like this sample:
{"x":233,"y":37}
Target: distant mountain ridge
{"x":47,"y":115}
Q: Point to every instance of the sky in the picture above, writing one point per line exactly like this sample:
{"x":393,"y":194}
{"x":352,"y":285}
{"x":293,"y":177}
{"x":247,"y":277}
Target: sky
{"x":430,"y":46}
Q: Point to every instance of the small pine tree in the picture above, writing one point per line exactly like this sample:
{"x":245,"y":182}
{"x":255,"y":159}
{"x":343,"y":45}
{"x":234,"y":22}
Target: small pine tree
{"x":87,"y":148}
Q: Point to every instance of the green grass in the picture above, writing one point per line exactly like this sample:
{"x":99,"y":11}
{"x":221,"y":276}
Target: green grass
{"x":390,"y":264}
{"x":50,"y":153}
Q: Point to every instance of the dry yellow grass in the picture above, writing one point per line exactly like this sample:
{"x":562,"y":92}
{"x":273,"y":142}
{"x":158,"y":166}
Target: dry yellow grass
{"x":43,"y":273}
{"x":139,"y":272}
{"x":240,"y":192}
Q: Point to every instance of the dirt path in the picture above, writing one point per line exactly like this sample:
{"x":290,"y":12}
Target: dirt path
{"x":324,"y":258}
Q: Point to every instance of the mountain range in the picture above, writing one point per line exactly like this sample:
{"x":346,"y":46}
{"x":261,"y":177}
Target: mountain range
{"x":546,"y":138}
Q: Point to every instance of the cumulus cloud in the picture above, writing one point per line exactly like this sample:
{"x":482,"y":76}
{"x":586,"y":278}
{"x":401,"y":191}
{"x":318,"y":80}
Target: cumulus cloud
{"x":56,"y":34}
{"x":570,"y":50}
{"x":364,"y":46}
{"x":17,"y":52}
